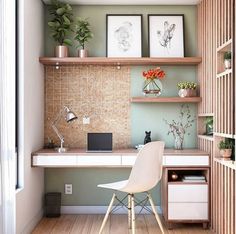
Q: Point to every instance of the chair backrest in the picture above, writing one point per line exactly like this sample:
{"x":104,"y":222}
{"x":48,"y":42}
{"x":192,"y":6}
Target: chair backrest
{"x":147,"y":170}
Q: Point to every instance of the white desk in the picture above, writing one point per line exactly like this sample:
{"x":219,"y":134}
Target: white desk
{"x":118,"y":158}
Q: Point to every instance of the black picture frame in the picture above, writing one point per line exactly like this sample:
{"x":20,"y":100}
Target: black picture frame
{"x":162,"y":47}
{"x":119,"y":42}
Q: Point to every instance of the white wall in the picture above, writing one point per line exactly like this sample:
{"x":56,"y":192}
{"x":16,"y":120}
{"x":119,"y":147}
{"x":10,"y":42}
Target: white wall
{"x":29,"y":201}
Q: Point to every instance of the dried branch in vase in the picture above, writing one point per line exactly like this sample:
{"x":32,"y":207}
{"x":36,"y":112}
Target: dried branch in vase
{"x":179,"y":128}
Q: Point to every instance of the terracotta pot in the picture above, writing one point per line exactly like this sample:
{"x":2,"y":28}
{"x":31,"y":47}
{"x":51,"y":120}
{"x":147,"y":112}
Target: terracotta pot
{"x":227,"y":63}
{"x":83,"y":53}
{"x":226,"y":153}
{"x":61,"y":51}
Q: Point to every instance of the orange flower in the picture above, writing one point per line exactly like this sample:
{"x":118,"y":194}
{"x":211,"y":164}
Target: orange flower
{"x":152,"y":74}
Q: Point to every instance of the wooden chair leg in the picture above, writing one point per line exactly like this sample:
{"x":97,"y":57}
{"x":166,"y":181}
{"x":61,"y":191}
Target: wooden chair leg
{"x":155,"y":213}
{"x":132,"y":213}
{"x":107,"y":214}
{"x":129,"y":211}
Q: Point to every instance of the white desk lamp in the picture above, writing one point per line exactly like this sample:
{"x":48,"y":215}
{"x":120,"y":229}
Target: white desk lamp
{"x":69,"y":117}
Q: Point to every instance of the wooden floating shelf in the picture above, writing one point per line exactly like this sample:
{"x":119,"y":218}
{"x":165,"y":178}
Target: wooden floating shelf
{"x":225,"y":47}
{"x":205,"y":114}
{"x":205,"y":137}
{"x":53,"y":61}
{"x":226,"y":72}
{"x":223,"y":135}
{"x":165,"y":99}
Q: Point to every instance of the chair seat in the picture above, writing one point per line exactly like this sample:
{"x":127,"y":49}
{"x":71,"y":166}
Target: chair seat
{"x":119,"y":185}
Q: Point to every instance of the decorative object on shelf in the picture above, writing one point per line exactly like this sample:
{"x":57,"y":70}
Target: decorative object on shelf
{"x":166,"y":35}
{"x":152,"y":84}
{"x":50,"y":144}
{"x":83,"y":34}
{"x":187,"y":89}
{"x":69,"y":117}
{"x":147,"y":137}
{"x":225,"y":148}
{"x":227,"y":60}
{"x":209,"y":125}
{"x":178,"y":128}
{"x":60,"y":25}
{"x":174,"y":176}
{"x":124,"y":35}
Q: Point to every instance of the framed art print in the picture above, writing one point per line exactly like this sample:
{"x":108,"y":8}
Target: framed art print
{"x":124,"y":35}
{"x":166,"y":35}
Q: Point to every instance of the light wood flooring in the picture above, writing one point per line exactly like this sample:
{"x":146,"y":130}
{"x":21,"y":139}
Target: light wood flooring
{"x":116,"y":224}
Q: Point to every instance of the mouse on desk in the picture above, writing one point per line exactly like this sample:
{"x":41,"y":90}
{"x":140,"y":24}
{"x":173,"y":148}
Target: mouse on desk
{"x":147,"y":137}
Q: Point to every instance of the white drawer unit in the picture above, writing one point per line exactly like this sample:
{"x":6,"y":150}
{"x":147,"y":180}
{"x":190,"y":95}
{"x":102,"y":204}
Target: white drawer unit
{"x":188,"y":193}
{"x":99,"y":160}
{"x":186,"y":160}
{"x":188,"y":211}
{"x":128,"y":160}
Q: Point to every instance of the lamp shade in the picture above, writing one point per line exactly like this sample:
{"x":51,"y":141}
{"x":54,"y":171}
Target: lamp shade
{"x":70,"y":115}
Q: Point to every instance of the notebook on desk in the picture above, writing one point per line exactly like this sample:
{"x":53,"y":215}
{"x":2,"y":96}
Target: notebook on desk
{"x":99,"y":142}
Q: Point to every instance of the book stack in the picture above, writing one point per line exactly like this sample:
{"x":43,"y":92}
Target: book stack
{"x":193,"y":178}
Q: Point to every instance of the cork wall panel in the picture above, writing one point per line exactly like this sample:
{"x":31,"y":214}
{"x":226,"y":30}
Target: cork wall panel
{"x":99,"y":92}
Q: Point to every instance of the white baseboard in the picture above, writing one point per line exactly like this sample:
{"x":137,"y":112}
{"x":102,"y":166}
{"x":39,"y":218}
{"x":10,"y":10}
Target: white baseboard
{"x":100,"y":210}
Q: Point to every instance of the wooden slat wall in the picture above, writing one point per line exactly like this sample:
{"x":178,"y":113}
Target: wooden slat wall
{"x":206,"y":49}
{"x":225,"y":189}
{"x":208,"y":146}
{"x":215,"y":36}
{"x":224,"y":112}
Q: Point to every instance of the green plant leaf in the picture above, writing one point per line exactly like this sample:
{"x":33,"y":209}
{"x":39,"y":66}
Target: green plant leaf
{"x":60,"y":11}
{"x":67,"y":42}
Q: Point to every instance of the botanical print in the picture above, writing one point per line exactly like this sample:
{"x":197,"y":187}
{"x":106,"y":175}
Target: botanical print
{"x":124,"y":36}
{"x":166,"y":36}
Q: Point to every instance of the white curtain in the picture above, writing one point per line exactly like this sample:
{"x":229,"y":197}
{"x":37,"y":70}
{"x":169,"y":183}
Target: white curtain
{"x":7,"y":116}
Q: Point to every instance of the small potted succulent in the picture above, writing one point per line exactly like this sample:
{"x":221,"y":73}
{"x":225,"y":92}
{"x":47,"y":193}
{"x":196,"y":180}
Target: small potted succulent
{"x":60,"y":26}
{"x":227,"y":60}
{"x":83,"y":34}
{"x":225,"y":148}
{"x":187,"y":89}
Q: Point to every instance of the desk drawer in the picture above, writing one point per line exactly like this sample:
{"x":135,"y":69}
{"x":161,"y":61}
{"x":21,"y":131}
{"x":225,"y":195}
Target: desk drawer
{"x":188,"y":211}
{"x":188,"y":193}
{"x":51,"y":161}
{"x":128,"y":160}
{"x":169,"y":160}
{"x":99,"y":161}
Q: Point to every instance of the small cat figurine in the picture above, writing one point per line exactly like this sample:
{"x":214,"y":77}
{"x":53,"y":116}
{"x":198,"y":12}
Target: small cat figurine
{"x":147,"y":137}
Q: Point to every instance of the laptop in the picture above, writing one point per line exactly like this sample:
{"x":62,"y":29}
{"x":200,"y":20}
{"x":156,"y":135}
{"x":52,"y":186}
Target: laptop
{"x":99,"y":142}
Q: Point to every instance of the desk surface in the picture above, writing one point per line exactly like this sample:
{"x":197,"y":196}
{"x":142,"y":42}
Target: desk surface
{"x":76,"y":151}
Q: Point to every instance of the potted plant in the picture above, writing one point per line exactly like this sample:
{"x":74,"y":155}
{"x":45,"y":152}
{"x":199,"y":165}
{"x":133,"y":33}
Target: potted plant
{"x":187,"y":89}
{"x":60,"y":26}
{"x":209,"y":125}
{"x":152,"y":84}
{"x":227,"y":60}
{"x":83,"y":34}
{"x":225,"y":148}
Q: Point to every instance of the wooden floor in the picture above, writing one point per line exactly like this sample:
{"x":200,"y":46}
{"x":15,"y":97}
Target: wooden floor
{"x":117,"y":224}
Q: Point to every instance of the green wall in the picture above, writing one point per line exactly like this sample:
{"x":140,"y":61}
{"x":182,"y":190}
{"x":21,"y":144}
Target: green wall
{"x":143,"y":116}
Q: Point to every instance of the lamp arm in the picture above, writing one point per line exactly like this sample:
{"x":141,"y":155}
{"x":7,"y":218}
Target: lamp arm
{"x":57,"y":132}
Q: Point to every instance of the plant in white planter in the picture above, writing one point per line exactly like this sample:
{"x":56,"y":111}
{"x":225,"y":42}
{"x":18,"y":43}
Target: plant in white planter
{"x":82,"y":35}
{"x":60,"y":26}
{"x":227,"y":60}
{"x":187,"y":89}
{"x":225,"y":148}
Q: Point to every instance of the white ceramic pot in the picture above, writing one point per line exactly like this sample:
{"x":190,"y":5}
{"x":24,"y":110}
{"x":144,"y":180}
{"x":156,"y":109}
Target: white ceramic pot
{"x":226,"y":153}
{"x":83,"y":53}
{"x":227,"y":63}
{"x":187,"y":93}
{"x":61,"y":51}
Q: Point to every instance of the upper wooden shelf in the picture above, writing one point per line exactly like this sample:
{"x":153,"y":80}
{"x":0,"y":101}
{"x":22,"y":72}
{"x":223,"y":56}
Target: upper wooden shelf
{"x":53,"y":61}
{"x":225,"y":47}
{"x":165,"y":99}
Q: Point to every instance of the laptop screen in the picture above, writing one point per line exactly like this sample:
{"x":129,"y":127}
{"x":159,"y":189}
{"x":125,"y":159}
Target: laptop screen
{"x":99,"y":142}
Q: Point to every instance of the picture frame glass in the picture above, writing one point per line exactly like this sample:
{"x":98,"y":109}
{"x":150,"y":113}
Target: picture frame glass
{"x":166,"y":35}
{"x":124,"y":35}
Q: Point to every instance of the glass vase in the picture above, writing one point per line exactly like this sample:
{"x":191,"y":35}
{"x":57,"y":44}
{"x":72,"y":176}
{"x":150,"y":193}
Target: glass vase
{"x":179,"y":140}
{"x":152,"y":87}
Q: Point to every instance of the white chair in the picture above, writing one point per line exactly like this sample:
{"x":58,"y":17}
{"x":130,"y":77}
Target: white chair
{"x":145,"y":174}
